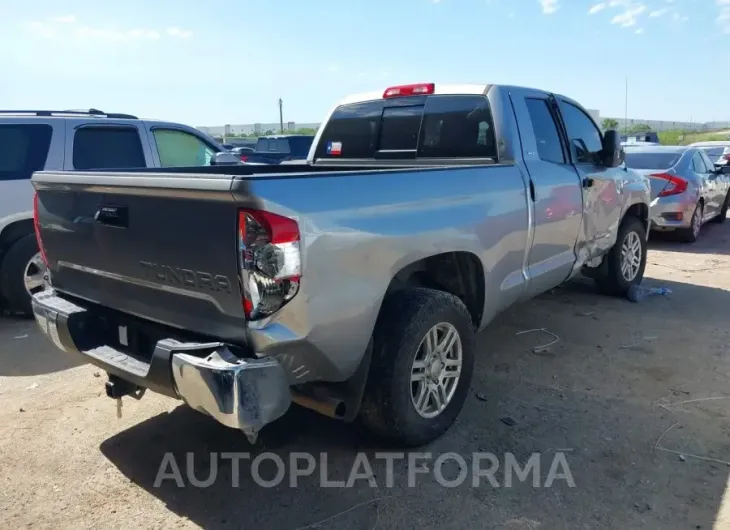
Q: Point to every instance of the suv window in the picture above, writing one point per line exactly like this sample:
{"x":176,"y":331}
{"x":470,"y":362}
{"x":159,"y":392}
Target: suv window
{"x":549,"y":146}
{"x":698,"y":165}
{"x":23,"y":150}
{"x":107,"y":148}
{"x":455,"y":126}
{"x":181,"y":149}
{"x":585,"y":138}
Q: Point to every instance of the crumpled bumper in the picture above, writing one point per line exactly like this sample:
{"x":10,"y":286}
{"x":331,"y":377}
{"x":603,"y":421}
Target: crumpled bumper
{"x":245,"y":394}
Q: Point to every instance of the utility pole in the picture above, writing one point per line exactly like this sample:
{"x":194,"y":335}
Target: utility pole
{"x":281,"y":116}
{"x":626,"y":107}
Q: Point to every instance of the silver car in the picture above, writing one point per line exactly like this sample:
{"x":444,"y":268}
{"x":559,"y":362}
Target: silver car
{"x":687,"y":189}
{"x":718,"y":151}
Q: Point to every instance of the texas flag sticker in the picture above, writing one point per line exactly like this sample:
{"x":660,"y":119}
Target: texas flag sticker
{"x":334,"y":148}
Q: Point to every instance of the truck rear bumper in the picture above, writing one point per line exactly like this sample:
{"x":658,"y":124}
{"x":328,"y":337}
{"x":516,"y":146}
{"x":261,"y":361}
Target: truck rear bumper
{"x":240,"y":393}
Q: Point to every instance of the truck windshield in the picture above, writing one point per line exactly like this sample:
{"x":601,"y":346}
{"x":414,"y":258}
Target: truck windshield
{"x":448,"y":126}
{"x":24,"y":149}
{"x":648,"y":160}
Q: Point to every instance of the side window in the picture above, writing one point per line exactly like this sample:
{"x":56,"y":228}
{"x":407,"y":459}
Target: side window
{"x":23,"y":150}
{"x":549,"y":146}
{"x":107,"y":148}
{"x":698,"y":165}
{"x":706,"y":159}
{"x":584,"y":136}
{"x":457,"y":127}
{"x":181,"y":149}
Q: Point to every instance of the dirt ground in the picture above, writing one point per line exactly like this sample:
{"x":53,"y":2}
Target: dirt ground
{"x":625,"y":386}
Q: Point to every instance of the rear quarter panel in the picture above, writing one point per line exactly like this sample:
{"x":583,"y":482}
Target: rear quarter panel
{"x":359,"y":230}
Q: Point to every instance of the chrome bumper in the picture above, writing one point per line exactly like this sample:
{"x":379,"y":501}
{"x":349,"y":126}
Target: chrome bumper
{"x":245,"y":394}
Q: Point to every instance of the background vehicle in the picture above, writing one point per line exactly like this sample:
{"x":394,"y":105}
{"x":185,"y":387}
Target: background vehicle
{"x":68,"y":140}
{"x":686,"y":188}
{"x":276,"y":149}
{"x":646,"y":137}
{"x":719,"y":151}
{"x":354,"y":284}
{"x":243,"y":152}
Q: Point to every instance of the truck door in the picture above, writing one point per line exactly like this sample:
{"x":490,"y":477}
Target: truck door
{"x":602,"y":187}
{"x":556,"y":200}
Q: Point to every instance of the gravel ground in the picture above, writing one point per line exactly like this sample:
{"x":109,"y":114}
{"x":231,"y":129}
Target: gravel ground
{"x":621,"y":377}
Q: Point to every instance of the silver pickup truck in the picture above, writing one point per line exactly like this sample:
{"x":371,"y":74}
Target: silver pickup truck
{"x":353,"y":285}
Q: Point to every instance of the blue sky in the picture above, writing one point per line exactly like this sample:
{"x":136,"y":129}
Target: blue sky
{"x":224,"y":61}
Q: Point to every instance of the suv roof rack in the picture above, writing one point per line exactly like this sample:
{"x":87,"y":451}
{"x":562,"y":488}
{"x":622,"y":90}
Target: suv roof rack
{"x":88,"y":112}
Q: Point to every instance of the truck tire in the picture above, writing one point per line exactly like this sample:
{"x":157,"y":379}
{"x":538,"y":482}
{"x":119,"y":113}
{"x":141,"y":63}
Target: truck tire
{"x":21,"y":259}
{"x":631,"y":241}
{"x":417,"y":384}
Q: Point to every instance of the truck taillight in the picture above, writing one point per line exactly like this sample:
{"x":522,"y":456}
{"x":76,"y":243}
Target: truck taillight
{"x":269,"y":260}
{"x":420,"y":89}
{"x":37,"y":228}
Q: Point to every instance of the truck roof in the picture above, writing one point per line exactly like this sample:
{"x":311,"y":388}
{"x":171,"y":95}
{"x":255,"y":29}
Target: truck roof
{"x":439,"y":89}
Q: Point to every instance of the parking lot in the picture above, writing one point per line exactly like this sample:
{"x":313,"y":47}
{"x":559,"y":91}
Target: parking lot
{"x":635,"y":395}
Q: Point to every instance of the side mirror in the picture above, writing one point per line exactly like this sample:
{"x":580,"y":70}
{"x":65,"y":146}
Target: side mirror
{"x":612,"y":153}
{"x":722,"y":169}
{"x":225,"y":158}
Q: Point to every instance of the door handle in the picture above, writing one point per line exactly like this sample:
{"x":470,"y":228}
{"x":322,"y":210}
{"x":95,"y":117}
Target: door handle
{"x":587,"y":182}
{"x":117,"y":216}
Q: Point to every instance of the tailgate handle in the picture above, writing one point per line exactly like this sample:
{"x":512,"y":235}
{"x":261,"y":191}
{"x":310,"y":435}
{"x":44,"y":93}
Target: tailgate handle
{"x":117,"y":216}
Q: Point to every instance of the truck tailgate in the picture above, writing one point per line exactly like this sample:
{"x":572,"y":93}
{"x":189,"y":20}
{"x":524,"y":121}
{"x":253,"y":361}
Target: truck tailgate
{"x":160,"y":246}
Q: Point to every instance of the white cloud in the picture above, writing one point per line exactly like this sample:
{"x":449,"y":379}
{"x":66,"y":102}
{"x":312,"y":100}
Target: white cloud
{"x":639,"y":31}
{"x":179,"y":33}
{"x":658,"y":12}
{"x":597,"y":7}
{"x":549,"y":6}
{"x":723,"y":17}
{"x":66,"y":19}
{"x":67,"y":27}
{"x":629,"y":16}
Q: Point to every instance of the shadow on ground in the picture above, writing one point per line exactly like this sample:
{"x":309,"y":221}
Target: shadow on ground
{"x":714,"y":239}
{"x":26,"y":351}
{"x":592,"y":397}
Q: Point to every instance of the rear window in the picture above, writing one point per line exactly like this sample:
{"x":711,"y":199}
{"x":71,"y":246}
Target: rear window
{"x":107,"y":148}
{"x":646,"y":160}
{"x":286,"y":146}
{"x":23,"y":150}
{"x":456,"y":126}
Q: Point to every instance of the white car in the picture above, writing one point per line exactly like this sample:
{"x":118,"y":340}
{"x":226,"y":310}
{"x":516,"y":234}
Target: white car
{"x":72,"y":140}
{"x":718,"y":151}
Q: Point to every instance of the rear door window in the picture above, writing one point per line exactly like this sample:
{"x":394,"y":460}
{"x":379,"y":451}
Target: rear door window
{"x":108,"y":147}
{"x":23,"y":150}
{"x":181,"y":149}
{"x":458,"y":126}
{"x":549,"y":146}
{"x":709,"y":164}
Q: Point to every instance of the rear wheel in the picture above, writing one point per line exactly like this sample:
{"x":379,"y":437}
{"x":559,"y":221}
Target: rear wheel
{"x":22,"y":274}
{"x":627,"y":259}
{"x":690,"y":235}
{"x":423,"y":359}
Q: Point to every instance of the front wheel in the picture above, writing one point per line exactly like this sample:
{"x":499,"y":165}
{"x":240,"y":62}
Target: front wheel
{"x":627,"y":259}
{"x":723,"y":211}
{"x":423,"y":359}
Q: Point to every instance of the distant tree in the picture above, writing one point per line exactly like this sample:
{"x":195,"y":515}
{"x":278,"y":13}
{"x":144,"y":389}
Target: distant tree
{"x":609,"y":123}
{"x":639,"y":128}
